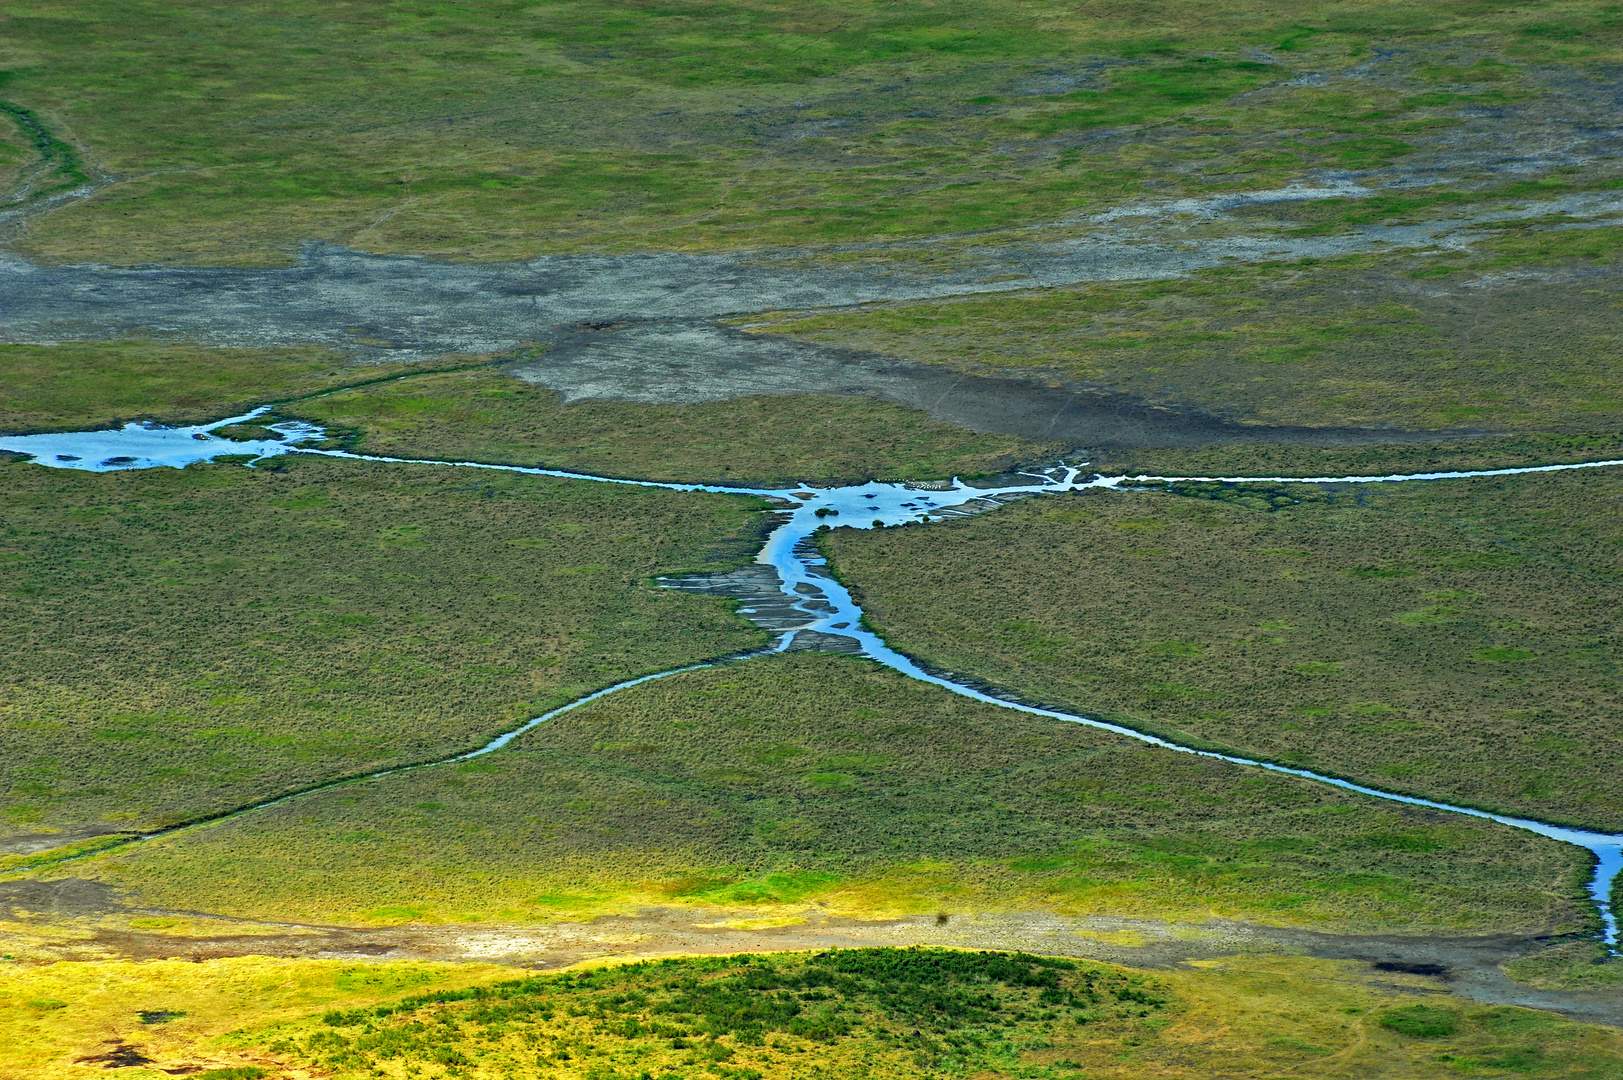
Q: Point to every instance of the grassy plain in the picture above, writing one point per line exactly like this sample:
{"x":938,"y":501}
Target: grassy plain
{"x":1263,"y":459}
{"x":500,"y":129}
{"x":182,"y":641}
{"x":51,"y":1015}
{"x":806,"y":779}
{"x":490,"y":416}
{"x":1368,"y":341}
{"x":1454,"y":639}
{"x":867,"y":1013}
{"x":892,"y":1012}
{"x":71,"y":386}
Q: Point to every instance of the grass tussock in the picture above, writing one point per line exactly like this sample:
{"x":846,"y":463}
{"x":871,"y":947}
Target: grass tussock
{"x":184,"y":641}
{"x":781,"y":783}
{"x":1454,"y":639}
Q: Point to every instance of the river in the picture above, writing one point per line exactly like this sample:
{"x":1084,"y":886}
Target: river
{"x":827,"y":606}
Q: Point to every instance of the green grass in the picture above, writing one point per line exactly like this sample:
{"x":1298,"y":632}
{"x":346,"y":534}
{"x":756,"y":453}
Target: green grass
{"x":101,"y":1002}
{"x":496,"y":129}
{"x":930,"y":1012}
{"x":182,"y":641}
{"x":1275,"y":459}
{"x":920,"y":1011}
{"x":1573,"y":965}
{"x":1452,"y":639}
{"x":78,"y":385}
{"x":783,"y":783}
{"x":1349,"y":343}
{"x":859,"y":1013}
{"x":58,"y":163}
{"x":489,"y":416}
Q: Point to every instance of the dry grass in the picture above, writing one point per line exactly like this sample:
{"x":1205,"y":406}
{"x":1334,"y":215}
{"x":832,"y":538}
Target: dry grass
{"x":54,"y":1014}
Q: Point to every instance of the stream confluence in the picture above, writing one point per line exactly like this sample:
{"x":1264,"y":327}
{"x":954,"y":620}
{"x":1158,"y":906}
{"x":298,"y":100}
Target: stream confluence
{"x":822,"y":605}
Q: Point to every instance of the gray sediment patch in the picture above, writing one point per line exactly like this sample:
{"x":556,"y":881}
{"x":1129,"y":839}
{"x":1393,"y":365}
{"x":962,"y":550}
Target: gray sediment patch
{"x":403,"y":308}
{"x":680,"y":361}
{"x":643,"y":327}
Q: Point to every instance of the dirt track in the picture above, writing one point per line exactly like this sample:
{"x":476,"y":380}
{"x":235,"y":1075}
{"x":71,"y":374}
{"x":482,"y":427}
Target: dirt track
{"x":97,"y":925}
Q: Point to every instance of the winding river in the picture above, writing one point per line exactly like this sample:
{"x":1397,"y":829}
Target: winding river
{"x":822,"y":605}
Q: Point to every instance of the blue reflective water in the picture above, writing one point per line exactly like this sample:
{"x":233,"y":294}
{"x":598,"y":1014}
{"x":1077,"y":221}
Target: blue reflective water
{"x":147,"y":446}
{"x":828,"y":605}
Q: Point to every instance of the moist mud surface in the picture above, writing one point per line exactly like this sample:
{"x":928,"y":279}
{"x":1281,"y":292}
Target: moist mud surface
{"x":98,"y":918}
{"x":402,"y":308}
{"x":644,"y":327}
{"x":689,"y":362}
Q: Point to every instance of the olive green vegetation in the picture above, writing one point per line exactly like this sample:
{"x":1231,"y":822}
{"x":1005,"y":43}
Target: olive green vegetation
{"x":490,"y":416}
{"x":931,"y":1013}
{"x":1453,"y":639}
{"x":852,"y":1014}
{"x":79,"y":385}
{"x":499,"y":128}
{"x":919,"y":1012}
{"x":1348,"y":343}
{"x":1573,"y":965}
{"x":18,"y":158}
{"x":928,"y":1013}
{"x":778,"y":783}
{"x":1262,"y":459}
{"x":182,"y":641}
{"x":55,"y":164}
{"x":174,"y":1012}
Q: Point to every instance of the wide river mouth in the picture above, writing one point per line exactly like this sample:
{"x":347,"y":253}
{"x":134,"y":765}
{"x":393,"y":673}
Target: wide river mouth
{"x":827,"y":606}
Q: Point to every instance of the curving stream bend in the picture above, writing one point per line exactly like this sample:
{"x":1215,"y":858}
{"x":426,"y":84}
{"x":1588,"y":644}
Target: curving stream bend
{"x":826,"y":606}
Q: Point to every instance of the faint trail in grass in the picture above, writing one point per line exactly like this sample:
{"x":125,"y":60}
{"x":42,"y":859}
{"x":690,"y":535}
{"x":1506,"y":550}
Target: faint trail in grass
{"x":59,"y":176}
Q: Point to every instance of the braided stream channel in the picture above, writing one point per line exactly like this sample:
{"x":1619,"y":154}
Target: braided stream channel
{"x":787,"y":590}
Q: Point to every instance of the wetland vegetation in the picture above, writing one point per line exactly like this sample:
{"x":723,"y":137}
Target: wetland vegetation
{"x":68,"y":386}
{"x":184,"y":641}
{"x":1350,"y":343}
{"x":498,"y":129}
{"x":776,"y":441}
{"x":1450,"y":639}
{"x":805,"y":779}
{"x":869,"y":1013}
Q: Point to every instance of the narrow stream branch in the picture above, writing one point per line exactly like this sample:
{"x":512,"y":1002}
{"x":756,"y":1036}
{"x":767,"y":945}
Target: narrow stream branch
{"x":827,"y":607}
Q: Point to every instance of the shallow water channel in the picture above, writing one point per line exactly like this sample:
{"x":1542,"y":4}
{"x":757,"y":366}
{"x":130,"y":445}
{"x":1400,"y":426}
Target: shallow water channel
{"x":809,"y":603}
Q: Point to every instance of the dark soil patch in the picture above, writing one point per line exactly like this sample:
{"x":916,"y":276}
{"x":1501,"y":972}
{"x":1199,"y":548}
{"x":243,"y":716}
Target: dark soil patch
{"x":159,"y":1016}
{"x":121,"y":1056}
{"x":1406,"y":968}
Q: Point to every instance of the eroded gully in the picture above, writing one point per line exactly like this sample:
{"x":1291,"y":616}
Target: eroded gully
{"x":807,"y":603}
